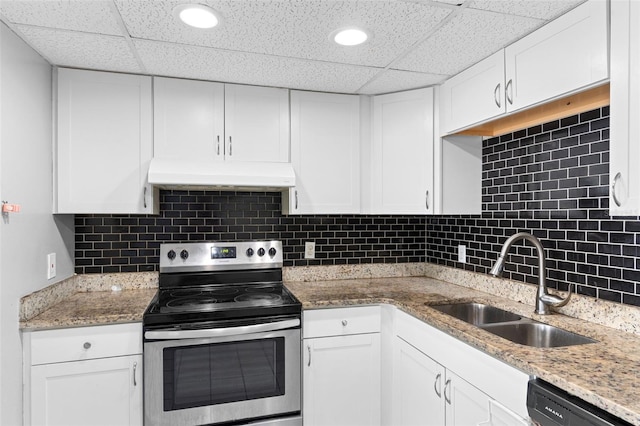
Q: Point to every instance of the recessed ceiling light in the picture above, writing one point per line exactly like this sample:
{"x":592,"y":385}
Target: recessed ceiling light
{"x":349,"y":36}
{"x":196,"y":15}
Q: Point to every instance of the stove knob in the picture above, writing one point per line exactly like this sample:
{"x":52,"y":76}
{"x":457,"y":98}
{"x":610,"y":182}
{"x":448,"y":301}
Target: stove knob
{"x":272,"y":251}
{"x":171,"y":255}
{"x":260,"y":252}
{"x":184,"y":254}
{"x":249,"y":252}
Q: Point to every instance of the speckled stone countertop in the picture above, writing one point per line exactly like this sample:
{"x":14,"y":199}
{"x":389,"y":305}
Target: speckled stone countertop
{"x":86,"y":300}
{"x":606,"y":373}
{"x":93,"y":308}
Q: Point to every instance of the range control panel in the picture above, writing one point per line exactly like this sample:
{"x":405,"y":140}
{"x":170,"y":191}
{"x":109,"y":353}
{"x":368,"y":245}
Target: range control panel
{"x":219,"y":256}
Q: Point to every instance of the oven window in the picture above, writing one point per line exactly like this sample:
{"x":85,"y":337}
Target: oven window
{"x":196,"y":376}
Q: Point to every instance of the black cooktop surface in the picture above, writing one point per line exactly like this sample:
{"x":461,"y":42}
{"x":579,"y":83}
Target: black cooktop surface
{"x":205,"y":303}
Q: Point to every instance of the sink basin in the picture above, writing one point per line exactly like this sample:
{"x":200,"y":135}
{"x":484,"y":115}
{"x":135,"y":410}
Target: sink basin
{"x":511,"y":326}
{"x":477,"y":313}
{"x":536,"y":334}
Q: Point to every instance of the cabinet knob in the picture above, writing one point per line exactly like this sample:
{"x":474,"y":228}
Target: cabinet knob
{"x":86,"y":345}
{"x":344,"y":323}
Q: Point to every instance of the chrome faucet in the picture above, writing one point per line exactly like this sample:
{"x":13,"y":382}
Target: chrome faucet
{"x":543,"y":298}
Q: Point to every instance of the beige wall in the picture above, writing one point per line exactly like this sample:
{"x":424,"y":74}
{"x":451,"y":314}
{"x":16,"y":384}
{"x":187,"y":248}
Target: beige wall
{"x":25,"y":179}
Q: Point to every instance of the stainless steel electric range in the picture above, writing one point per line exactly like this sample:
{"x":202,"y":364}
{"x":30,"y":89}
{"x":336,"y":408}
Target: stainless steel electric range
{"x":222,"y":338}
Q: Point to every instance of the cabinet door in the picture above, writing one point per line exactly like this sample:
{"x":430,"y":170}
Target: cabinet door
{"x":499,"y":415}
{"x":98,"y":392}
{"x":565,"y":55}
{"x":104,"y":142}
{"x":418,"y":386}
{"x":473,"y":96}
{"x":342,"y":380}
{"x":188,"y":119}
{"x":256,"y":124}
{"x":465,"y":404}
{"x":325,"y":153}
{"x":625,"y":107}
{"x":402,"y":154}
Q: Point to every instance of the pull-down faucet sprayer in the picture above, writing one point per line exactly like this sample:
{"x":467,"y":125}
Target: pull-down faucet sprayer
{"x":543,"y":298}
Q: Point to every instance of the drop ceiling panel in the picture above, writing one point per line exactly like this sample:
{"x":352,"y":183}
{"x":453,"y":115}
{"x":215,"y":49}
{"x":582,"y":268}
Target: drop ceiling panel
{"x":414,"y":43}
{"x":469,"y":37}
{"x":249,"y":68}
{"x":296,"y":29}
{"x":540,"y":9}
{"x":395,"y":81}
{"x":89,"y":16}
{"x":81,"y":50}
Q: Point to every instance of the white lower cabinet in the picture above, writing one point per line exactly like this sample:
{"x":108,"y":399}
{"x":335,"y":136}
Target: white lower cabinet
{"x":425,"y":393}
{"x":341,"y":367}
{"x":96,"y":392}
{"x":430,"y":378}
{"x":342,"y":380}
{"x":85,"y":376}
{"x":438,"y":381}
{"x":417,"y":387}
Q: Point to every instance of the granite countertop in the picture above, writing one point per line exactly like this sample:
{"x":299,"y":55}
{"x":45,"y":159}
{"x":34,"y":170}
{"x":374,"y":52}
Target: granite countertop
{"x":606,"y":373}
{"x":93,"y":308}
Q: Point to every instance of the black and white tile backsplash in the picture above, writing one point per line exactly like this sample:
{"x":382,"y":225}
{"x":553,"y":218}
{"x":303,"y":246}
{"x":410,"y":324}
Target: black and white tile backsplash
{"x":128,"y":243}
{"x":550,"y":180}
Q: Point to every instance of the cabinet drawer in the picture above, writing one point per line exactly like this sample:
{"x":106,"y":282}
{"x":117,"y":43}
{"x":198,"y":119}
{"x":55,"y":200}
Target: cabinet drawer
{"x":74,"y":344}
{"x":341,"y":321}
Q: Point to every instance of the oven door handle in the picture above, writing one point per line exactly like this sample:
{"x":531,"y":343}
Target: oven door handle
{"x":220,"y":332}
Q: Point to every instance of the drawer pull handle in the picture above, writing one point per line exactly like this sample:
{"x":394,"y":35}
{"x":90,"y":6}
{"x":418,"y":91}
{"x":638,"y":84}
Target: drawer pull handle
{"x":344,"y":323}
{"x":309,"y":350}
{"x":87,"y":345}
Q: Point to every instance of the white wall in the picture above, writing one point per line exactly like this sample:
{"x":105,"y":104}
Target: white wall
{"x":25,"y":179}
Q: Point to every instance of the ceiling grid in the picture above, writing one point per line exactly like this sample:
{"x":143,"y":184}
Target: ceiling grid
{"x":281,"y":43}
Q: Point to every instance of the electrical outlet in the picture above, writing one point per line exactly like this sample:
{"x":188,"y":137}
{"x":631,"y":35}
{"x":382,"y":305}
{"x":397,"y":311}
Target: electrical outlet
{"x":51,"y":265}
{"x":309,"y":250}
{"x":462,"y":253}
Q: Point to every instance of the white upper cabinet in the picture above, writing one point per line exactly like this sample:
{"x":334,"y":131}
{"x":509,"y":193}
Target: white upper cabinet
{"x":325,"y":154}
{"x":256,"y":123}
{"x":188,"y":119}
{"x":104,"y":143}
{"x":565,"y":55}
{"x":624,"y":196}
{"x":220,"y":122}
{"x":402,"y":153}
{"x":473,"y":96}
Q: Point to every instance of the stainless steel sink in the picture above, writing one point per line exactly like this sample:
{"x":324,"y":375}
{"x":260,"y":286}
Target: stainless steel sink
{"x":512,"y":327}
{"x":477,"y":313}
{"x":536,"y":334}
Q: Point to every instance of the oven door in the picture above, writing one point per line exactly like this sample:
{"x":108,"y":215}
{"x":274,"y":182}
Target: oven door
{"x":203,"y":376}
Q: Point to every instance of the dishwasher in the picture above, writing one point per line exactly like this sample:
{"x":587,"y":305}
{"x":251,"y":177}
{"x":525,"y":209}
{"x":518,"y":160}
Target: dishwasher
{"x":550,"y":406}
